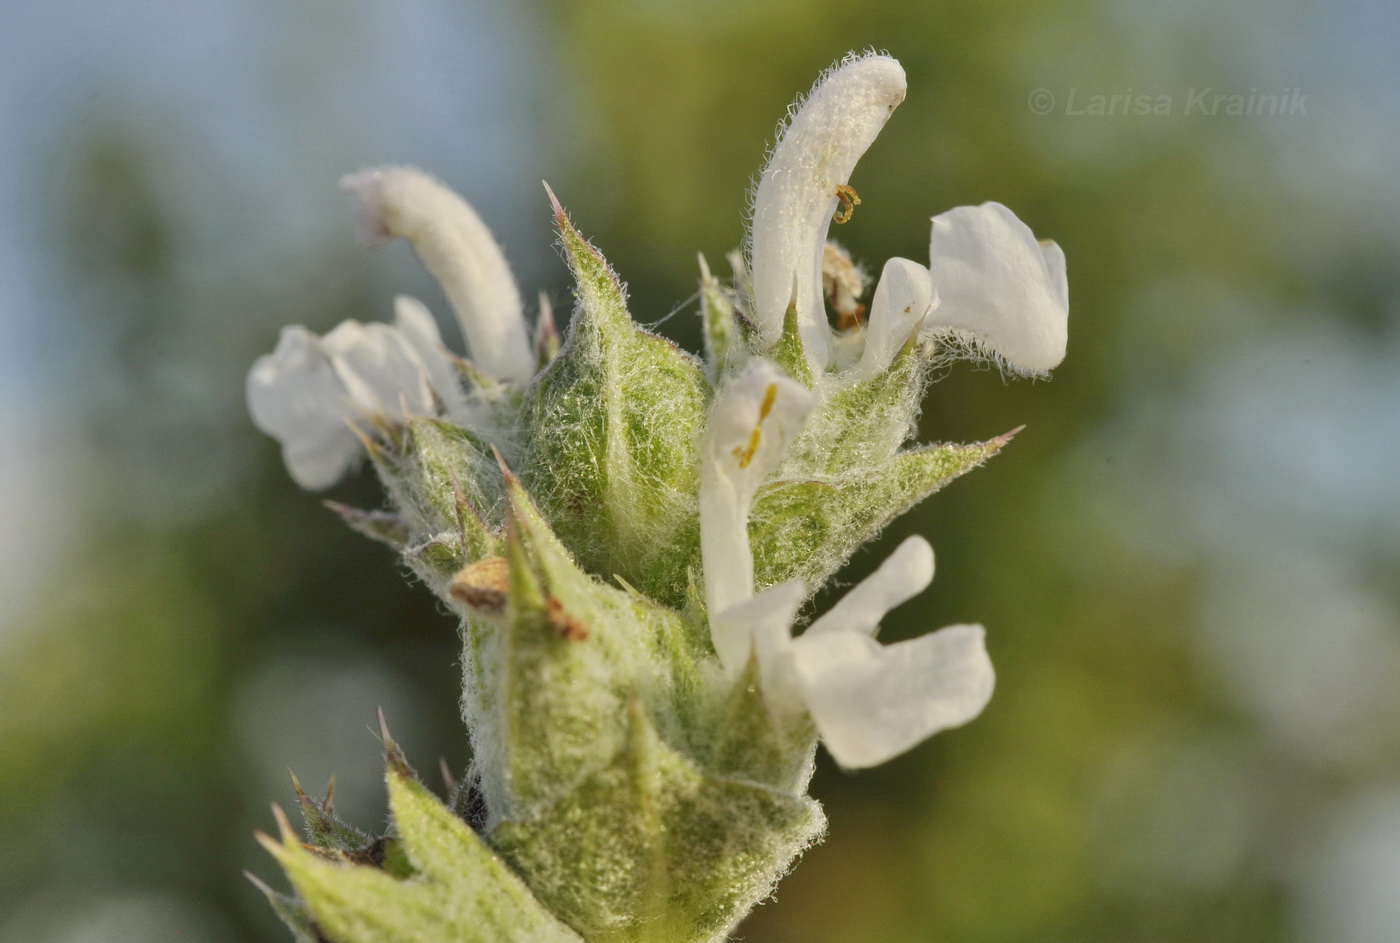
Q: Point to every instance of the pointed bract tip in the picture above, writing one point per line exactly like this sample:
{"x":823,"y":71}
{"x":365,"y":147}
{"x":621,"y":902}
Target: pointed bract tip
{"x":1006,"y":437}
{"x":382,"y":424}
{"x":912,"y":341}
{"x":330,"y":794}
{"x":521,"y":516}
{"x":506,"y":473}
{"x":513,"y":524}
{"x":296,"y":785}
{"x":448,"y":779}
{"x":559,"y":213}
{"x":544,"y":323}
{"x":271,"y":845}
{"x":393,"y":756}
{"x":366,"y":442}
{"x":260,"y":884}
{"x":459,"y":497}
{"x":344,"y":511}
{"x":284,"y":825}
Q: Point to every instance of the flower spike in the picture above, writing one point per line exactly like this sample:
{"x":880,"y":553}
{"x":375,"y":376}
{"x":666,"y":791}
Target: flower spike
{"x":629,"y":535}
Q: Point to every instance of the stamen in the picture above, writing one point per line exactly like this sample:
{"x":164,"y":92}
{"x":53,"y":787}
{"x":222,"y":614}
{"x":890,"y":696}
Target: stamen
{"x":852,"y":319}
{"x":745,"y":456}
{"x":769,"y":398}
{"x":849,"y":201}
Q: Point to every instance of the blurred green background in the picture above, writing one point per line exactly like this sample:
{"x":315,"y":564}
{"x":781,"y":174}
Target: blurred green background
{"x":1187,"y":563}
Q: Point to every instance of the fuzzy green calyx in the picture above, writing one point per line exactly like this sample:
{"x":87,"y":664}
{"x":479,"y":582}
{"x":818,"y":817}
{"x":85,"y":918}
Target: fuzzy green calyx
{"x":608,"y":433}
{"x":669,"y":852}
{"x":807,"y":528}
{"x":552,"y":671}
{"x":639,"y":794}
{"x":790,"y":353}
{"x":431,"y":467}
{"x":760,"y":742}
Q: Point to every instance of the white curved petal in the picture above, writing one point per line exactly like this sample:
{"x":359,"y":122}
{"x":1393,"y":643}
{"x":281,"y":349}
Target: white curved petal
{"x":796,"y":194}
{"x":295,"y":396}
{"x":416,"y":325}
{"x":751,"y":426}
{"x":998,"y":284}
{"x":871,"y":702}
{"x":1059,"y":275}
{"x":903,"y":297}
{"x":904,"y":574}
{"x":761,"y":625}
{"x":310,"y":390}
{"x":379,"y":370}
{"x":460,"y":251}
{"x":725,"y":554}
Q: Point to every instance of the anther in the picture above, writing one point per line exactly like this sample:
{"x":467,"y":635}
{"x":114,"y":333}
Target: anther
{"x":745,"y":456}
{"x":849,"y":201}
{"x":769,"y":398}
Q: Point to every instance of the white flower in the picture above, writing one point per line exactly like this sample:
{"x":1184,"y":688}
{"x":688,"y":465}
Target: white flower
{"x":749,"y":430}
{"x":989,"y":284}
{"x":903,"y":300}
{"x":799,"y":191}
{"x":458,"y":249}
{"x":318,"y":396}
{"x":312,"y":393}
{"x":998,"y":284}
{"x":869,"y":702}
